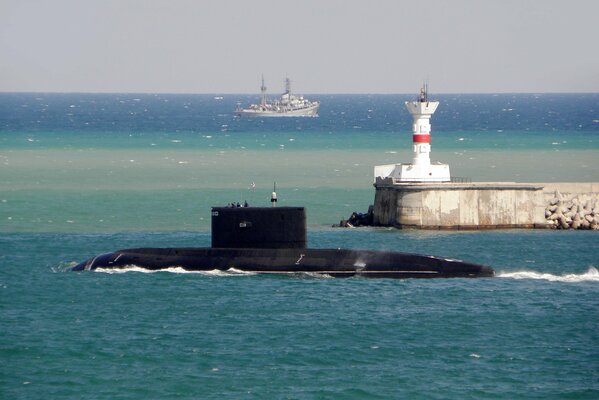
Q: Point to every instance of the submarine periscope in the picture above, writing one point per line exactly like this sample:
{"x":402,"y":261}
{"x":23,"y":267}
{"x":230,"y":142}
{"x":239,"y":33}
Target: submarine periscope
{"x":273,"y":240}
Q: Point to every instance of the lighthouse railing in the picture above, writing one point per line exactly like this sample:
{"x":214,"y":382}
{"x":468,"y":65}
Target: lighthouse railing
{"x":460,"y":179}
{"x":453,"y":179}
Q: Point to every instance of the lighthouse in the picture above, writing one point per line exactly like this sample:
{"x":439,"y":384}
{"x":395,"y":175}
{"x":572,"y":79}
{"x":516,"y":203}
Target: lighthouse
{"x":421,"y":169}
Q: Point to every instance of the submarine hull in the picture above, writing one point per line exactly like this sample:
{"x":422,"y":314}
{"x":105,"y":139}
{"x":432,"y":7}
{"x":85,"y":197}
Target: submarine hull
{"x":332,"y":262}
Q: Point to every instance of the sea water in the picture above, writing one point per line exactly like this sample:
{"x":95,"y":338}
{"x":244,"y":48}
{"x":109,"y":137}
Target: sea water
{"x":83,"y":174}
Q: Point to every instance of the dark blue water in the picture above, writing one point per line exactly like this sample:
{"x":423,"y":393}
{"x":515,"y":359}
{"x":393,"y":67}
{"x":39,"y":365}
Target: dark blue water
{"x":98,"y":116}
{"x":82,"y":174}
{"x":164,"y":112}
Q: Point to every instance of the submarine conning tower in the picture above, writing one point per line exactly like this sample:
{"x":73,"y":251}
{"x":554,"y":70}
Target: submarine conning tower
{"x":259,"y":227}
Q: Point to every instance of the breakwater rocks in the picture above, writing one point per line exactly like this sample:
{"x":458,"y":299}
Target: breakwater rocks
{"x":358,"y":219}
{"x":578,"y":212}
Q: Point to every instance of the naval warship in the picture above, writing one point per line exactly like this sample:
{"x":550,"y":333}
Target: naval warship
{"x":288,"y":105}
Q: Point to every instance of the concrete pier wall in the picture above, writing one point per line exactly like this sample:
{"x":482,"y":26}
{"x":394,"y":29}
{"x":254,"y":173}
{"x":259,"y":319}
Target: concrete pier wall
{"x":483,"y":205}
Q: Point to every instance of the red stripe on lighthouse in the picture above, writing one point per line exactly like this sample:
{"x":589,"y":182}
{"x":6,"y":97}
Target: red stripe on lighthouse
{"x":421,"y":138}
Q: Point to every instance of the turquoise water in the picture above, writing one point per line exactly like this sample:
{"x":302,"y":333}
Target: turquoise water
{"x":82,"y":174}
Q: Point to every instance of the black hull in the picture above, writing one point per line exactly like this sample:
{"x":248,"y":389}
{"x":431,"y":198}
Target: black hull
{"x":333,"y":262}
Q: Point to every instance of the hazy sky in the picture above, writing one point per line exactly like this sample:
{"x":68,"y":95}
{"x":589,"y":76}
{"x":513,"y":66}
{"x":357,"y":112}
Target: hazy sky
{"x":324,"y":46}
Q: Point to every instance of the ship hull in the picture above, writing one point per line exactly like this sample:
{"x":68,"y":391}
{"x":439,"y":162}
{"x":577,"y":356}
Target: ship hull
{"x":311,"y":111}
{"x":332,"y":262}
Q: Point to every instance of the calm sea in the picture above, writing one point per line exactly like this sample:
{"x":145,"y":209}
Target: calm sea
{"x":82,"y":174}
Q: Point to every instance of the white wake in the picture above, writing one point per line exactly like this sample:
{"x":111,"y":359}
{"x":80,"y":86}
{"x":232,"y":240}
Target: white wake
{"x":214,"y":272}
{"x":592,"y":275}
{"x":173,"y":270}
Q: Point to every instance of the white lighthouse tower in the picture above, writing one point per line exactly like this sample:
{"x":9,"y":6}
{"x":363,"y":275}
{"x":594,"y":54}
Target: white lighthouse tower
{"x":421,"y":169}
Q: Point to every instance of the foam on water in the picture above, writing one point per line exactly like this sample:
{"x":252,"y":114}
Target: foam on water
{"x":214,"y":272}
{"x":592,"y":275}
{"x":134,"y":268}
{"x":173,"y":270}
{"x":65,"y":266}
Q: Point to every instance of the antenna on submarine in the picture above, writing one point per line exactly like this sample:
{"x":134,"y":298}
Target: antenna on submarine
{"x":273,"y":196}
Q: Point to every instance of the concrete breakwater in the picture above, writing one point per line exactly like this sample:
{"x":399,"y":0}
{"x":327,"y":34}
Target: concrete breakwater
{"x":486,"y":205}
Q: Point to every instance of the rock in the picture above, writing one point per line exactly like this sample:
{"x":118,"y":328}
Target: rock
{"x":569,"y":214}
{"x":574,"y":209}
{"x":582,"y":214}
{"x":359,"y":219}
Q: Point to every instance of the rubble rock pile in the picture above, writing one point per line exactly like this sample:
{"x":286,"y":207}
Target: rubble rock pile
{"x":579,"y":212}
{"x":358,"y":219}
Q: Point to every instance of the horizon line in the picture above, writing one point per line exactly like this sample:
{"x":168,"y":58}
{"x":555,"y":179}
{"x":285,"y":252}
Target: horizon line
{"x":276,"y":93}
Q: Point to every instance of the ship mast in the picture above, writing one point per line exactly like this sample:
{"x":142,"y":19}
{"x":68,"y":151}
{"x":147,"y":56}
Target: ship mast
{"x":287,"y":85}
{"x":263,"y":91}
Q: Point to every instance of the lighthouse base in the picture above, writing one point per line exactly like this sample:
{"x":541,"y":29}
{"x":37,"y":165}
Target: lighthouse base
{"x":413,"y":172}
{"x":459,"y":206}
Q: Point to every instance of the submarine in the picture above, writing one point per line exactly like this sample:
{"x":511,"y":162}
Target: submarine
{"x":273,"y":240}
